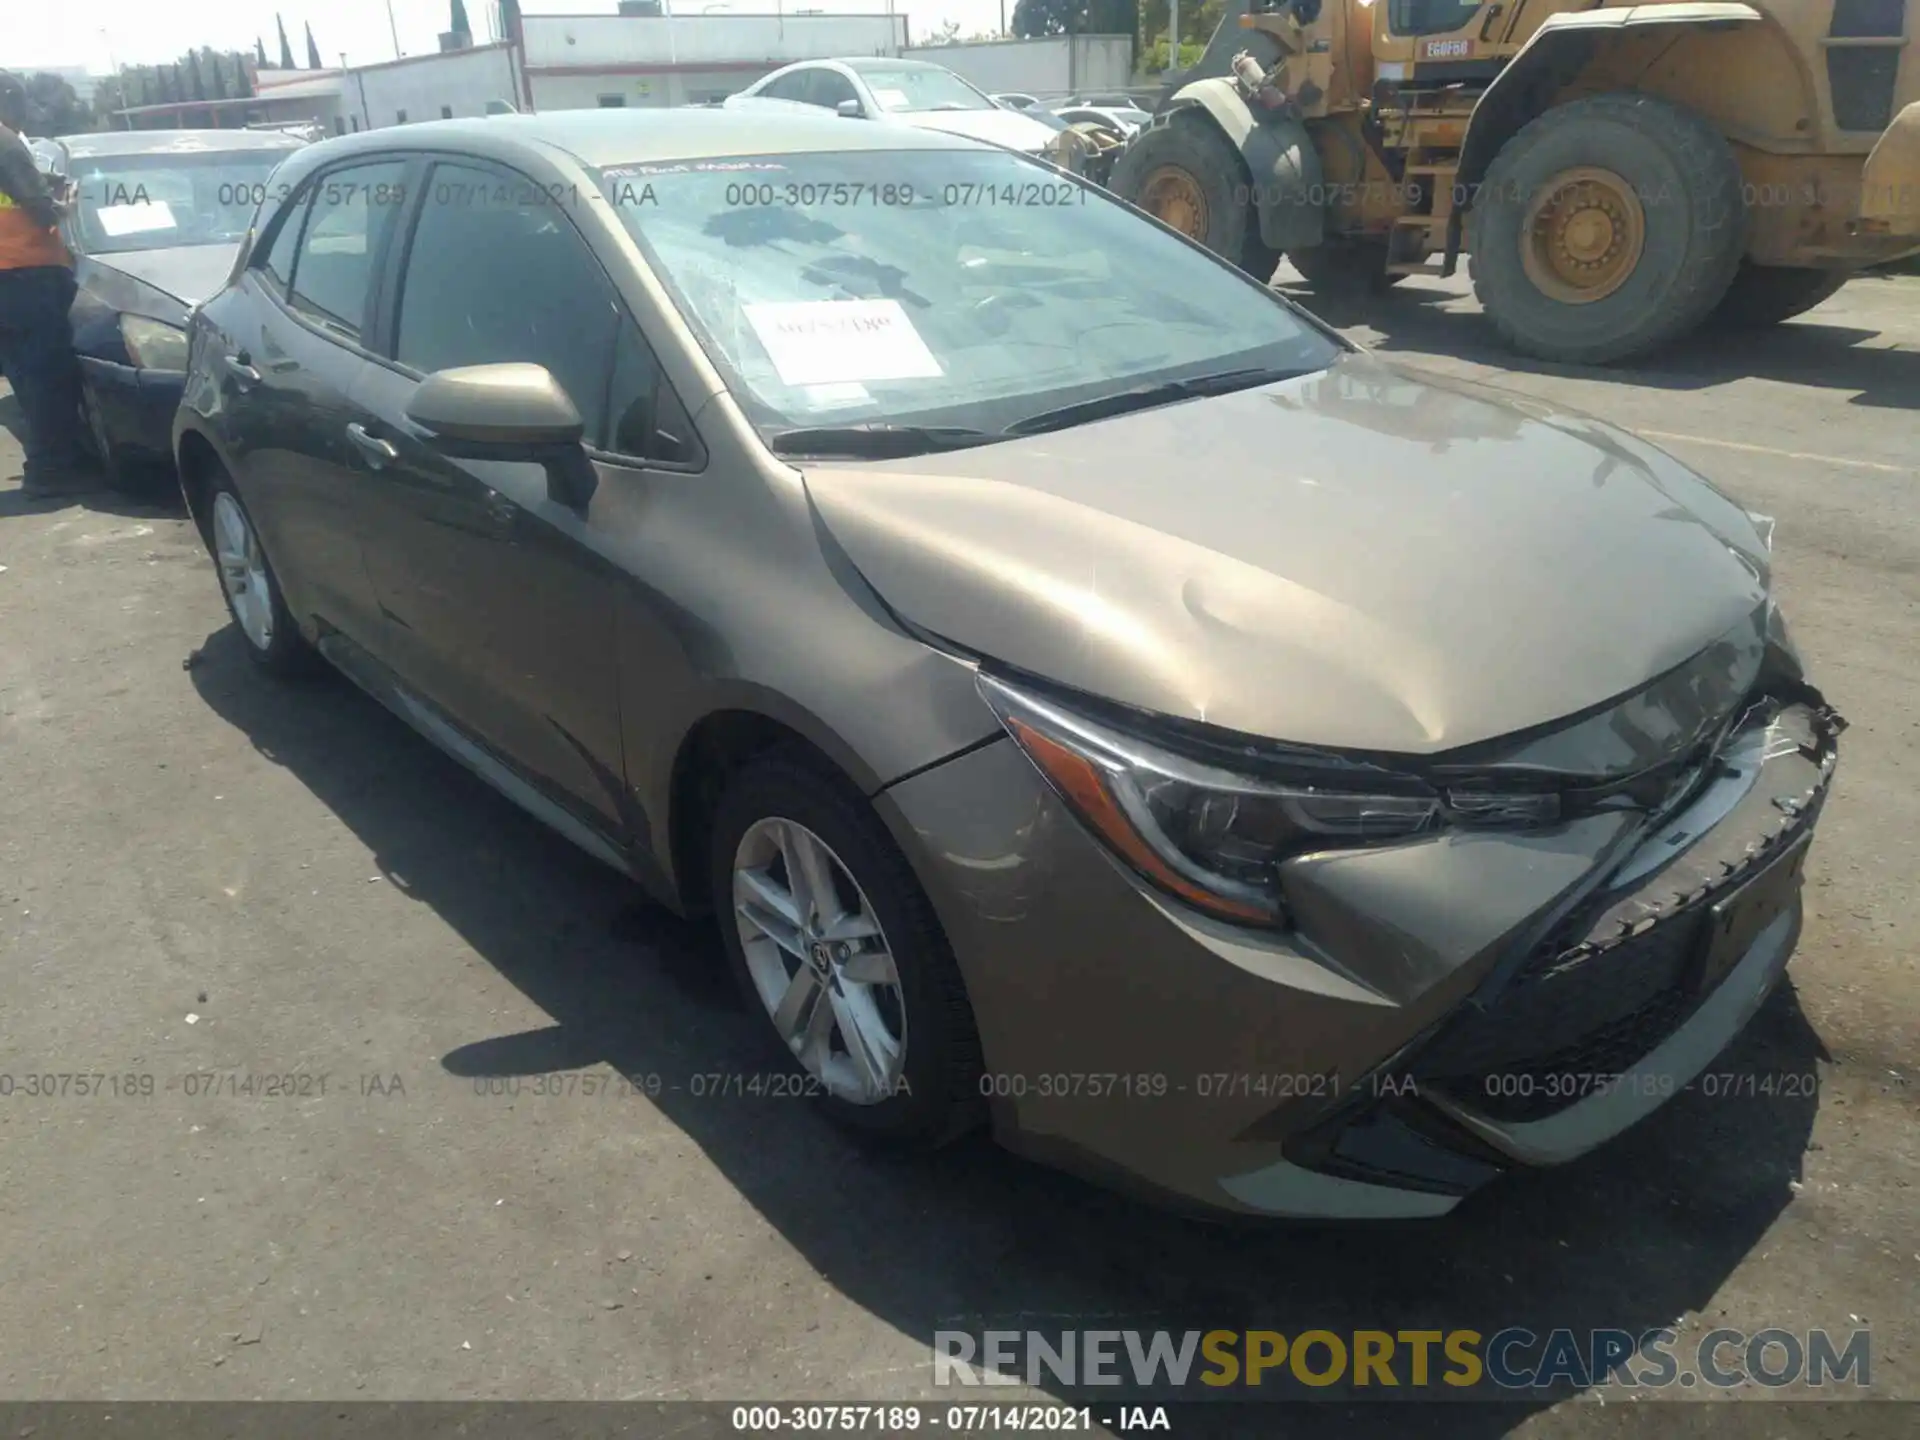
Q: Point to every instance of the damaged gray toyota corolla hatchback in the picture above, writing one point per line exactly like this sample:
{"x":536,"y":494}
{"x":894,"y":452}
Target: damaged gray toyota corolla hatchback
{"x":1089,"y":695}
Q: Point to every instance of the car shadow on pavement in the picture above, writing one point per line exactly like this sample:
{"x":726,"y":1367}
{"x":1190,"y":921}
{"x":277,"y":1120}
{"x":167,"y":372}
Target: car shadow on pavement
{"x":972,"y":1238}
{"x":1809,"y":351}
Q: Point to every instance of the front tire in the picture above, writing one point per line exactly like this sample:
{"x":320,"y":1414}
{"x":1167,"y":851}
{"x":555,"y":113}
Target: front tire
{"x":1182,"y":171}
{"x":251,"y":589}
{"x":120,"y":474}
{"x":1606,"y":229}
{"x":838,"y":953}
{"x":1762,"y":296}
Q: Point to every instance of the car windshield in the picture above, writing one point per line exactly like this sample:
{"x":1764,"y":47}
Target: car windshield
{"x":956,"y":288}
{"x":912,"y":91}
{"x":150,"y":202}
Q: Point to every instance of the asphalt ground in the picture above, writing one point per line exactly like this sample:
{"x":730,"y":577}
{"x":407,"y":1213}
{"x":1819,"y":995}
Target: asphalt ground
{"x":206,"y":877}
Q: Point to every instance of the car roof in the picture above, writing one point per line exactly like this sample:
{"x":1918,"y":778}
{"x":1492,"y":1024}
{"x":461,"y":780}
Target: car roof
{"x":157,"y":142}
{"x":882,"y":62}
{"x":603,"y":138}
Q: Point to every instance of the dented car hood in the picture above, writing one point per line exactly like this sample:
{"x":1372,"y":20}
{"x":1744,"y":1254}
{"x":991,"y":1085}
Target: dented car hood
{"x":1365,"y":558}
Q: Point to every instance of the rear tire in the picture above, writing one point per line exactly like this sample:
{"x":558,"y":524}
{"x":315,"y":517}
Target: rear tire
{"x":1677,"y":182}
{"x":1765,"y":295}
{"x":786,"y":803}
{"x":1213,"y":204}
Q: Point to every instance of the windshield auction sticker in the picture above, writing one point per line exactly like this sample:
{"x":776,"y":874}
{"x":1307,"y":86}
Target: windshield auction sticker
{"x":136,"y":219}
{"x":840,"y":342}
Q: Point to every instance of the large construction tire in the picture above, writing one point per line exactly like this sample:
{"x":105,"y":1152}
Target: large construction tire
{"x":1182,"y":171}
{"x":1764,"y":295}
{"x":1344,"y":267}
{"x":1605,"y":229}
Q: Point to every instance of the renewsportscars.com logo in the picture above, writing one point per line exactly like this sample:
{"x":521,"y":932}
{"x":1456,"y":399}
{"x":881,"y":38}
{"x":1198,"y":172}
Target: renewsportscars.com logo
{"x":1427,"y":1362}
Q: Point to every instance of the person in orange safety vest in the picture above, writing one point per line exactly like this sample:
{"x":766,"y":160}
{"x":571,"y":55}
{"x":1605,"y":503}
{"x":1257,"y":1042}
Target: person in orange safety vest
{"x":36,"y":332}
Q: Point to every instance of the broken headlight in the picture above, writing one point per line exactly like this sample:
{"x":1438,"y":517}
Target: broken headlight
{"x":154,"y":344}
{"x":1210,"y":836}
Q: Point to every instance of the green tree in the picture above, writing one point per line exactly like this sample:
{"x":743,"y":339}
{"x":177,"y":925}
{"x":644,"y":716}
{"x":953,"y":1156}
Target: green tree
{"x":458,"y":21}
{"x":1197,"y":22}
{"x":53,"y":108}
{"x":109,"y":95}
{"x":1074,"y":17}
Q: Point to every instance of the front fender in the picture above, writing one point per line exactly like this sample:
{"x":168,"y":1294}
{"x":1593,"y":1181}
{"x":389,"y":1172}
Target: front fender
{"x":1281,"y":159}
{"x":1890,"y":183}
{"x":1552,"y":57}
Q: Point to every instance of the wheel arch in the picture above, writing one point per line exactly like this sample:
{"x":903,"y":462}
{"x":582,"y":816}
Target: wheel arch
{"x":198,"y":460}
{"x":740,"y":726}
{"x":1553,"y":58}
{"x":1282,"y":162}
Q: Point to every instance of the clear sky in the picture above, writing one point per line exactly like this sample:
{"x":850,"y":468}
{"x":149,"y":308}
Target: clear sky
{"x":97,"y":34}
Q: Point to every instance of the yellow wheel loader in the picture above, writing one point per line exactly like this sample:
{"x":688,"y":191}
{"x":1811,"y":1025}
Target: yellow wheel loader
{"x":1617,"y":174}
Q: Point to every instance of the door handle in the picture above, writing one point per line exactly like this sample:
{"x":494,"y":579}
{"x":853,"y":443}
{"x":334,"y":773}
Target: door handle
{"x":240,"y":370}
{"x":501,"y":512}
{"x":377,"y":451}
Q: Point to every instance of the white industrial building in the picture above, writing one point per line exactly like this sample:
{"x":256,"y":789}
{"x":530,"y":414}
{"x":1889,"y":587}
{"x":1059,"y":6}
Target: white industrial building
{"x":552,"y":62}
{"x":634,"y":57}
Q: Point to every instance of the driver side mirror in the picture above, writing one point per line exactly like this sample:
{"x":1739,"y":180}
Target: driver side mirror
{"x":507,"y":412}
{"x":850,"y":110}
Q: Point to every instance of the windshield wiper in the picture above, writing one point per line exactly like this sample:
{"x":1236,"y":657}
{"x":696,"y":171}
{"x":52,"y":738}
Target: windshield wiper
{"x":1145,"y":397}
{"x":877,"y":441}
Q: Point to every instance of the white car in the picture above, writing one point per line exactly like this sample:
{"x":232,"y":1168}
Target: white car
{"x":906,"y":92}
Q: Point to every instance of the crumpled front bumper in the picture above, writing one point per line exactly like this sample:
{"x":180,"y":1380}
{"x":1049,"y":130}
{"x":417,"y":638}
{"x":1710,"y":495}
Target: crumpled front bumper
{"x":135,"y":406}
{"x":1443,"y":1010}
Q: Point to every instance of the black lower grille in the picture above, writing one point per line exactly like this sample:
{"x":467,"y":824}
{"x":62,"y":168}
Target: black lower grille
{"x":1549,"y":1084}
{"x":1560,"y":999}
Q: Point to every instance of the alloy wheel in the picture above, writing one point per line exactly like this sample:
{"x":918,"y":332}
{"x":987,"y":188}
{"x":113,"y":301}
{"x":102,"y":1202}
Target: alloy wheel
{"x":243,"y":571}
{"x":819,"y":961}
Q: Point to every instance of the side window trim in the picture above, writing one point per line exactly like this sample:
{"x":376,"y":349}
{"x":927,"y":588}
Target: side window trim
{"x":293,"y":212}
{"x":384,"y":304}
{"x":626,"y":461}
